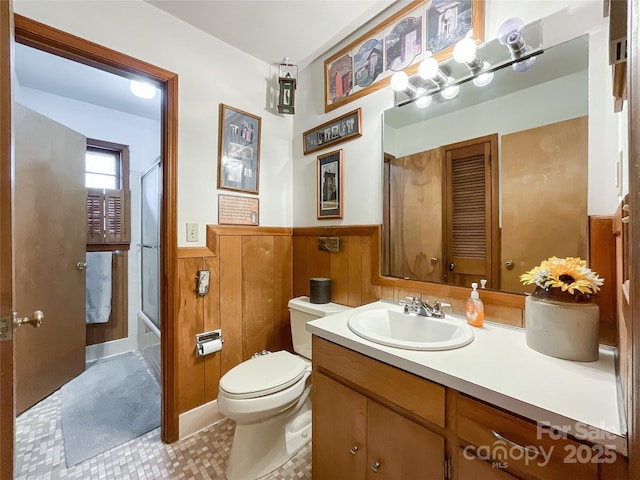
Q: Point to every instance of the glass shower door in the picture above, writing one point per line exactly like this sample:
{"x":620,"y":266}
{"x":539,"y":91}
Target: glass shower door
{"x":150,"y":268}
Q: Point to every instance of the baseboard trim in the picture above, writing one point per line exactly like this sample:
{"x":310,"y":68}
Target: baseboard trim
{"x":198,"y":418}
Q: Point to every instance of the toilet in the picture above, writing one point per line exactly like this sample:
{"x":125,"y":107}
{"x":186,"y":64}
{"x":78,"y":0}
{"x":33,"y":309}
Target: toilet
{"x":268,"y":397}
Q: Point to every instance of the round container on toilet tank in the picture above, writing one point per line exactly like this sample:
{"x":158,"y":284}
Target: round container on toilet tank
{"x":320,"y":290}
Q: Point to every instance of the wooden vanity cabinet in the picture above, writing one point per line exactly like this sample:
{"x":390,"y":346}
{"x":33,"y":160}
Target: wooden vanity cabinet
{"x":355,"y":438}
{"x":374,"y":421}
{"x":469,"y":467}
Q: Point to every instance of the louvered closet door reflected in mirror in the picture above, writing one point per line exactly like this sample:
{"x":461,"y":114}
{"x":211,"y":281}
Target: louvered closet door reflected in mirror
{"x":470,"y":212}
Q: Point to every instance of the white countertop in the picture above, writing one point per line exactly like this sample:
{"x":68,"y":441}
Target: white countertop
{"x":580,"y":398}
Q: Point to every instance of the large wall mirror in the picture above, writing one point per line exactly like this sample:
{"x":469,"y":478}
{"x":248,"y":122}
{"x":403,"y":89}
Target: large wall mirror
{"x":488,"y":184}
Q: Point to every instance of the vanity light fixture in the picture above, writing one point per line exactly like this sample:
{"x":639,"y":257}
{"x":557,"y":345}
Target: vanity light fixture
{"x":466,"y":51}
{"x":510,"y":34}
{"x":142,"y":89}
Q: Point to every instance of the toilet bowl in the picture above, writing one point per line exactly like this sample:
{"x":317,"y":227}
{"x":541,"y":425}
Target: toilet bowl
{"x":269,"y":398}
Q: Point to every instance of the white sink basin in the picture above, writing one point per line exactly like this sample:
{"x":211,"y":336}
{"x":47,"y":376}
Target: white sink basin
{"x":410,"y":331}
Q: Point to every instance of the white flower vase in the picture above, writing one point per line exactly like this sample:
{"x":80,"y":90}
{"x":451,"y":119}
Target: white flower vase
{"x":564,"y":330}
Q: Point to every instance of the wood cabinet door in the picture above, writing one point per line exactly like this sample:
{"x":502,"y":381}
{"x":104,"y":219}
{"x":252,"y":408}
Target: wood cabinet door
{"x":399,"y":449}
{"x":339,"y":431}
{"x":470,"y":467}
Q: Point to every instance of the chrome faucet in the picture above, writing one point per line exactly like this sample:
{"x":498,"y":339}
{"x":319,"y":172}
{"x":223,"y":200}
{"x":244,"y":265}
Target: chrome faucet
{"x":417,"y":306}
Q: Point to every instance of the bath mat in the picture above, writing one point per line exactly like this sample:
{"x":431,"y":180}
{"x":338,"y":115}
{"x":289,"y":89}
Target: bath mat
{"x":115,"y":400}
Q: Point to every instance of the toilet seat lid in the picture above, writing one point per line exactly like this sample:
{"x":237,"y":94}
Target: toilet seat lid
{"x":263,"y":375}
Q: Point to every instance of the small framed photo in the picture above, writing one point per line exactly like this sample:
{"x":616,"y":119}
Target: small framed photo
{"x":330,"y":185}
{"x":238,"y":150}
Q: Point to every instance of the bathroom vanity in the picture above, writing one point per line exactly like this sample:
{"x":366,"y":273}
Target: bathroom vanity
{"x":493,"y":409}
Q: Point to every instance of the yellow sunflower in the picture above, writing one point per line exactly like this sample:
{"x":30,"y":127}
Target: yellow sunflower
{"x":569,"y":274}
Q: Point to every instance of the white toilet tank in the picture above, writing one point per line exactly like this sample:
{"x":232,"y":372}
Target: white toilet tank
{"x":301,"y":311}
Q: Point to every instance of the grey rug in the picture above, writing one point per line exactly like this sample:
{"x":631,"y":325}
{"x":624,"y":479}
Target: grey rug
{"x":112,"y":402}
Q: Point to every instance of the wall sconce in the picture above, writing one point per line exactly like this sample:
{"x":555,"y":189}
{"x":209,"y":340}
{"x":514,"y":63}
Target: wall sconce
{"x":287,"y":78}
{"x":466,"y":51}
{"x":510,"y":34}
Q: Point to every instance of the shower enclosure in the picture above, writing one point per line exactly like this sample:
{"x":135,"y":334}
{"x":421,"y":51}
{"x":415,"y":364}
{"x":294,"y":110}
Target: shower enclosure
{"x":149,"y":316}
{"x":150,"y":245}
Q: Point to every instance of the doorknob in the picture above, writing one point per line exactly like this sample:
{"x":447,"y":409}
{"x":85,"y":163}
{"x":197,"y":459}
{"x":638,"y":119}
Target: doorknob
{"x":81,"y":265}
{"x":35,"y":319}
{"x":509,"y":264}
{"x":7,"y":324}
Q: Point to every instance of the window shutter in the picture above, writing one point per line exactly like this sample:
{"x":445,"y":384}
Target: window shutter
{"x":468,"y":205}
{"x":95,"y":215}
{"x":108,"y":216}
{"x":114,"y":218}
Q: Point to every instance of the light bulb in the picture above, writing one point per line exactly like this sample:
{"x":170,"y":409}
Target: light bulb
{"x":483,"y":79}
{"x":465,"y":51}
{"x":523,"y":65}
{"x":510,"y":32}
{"x":428,"y":68}
{"x":450,"y":92}
{"x":142,"y":89}
{"x":423,"y":102}
{"x":399,"y":81}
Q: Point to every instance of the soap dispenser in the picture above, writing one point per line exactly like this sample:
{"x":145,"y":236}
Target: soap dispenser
{"x":475,"y":308}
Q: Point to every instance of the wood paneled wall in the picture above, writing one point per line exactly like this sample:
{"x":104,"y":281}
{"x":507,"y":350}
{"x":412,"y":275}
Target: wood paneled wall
{"x":256,"y":270}
{"x":355,"y":277}
{"x":250,"y":286}
{"x":117,"y":326}
{"x":354,"y":272}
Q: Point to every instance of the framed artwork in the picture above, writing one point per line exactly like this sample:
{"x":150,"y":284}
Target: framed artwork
{"x":329,"y":184}
{"x":238,"y":210}
{"x":238,"y":150}
{"x":403,"y":44}
{"x":400,"y":43}
{"x":332,"y":132}
{"x":448,"y":22}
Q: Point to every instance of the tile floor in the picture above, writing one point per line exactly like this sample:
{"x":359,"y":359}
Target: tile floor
{"x":202,"y":456}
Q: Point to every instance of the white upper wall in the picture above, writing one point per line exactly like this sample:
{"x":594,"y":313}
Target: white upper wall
{"x":141,"y":134}
{"x":210,"y":72}
{"x":363,"y":156}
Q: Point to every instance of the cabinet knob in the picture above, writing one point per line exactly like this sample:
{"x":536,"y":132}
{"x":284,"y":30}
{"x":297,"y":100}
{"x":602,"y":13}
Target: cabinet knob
{"x":509,"y":264}
{"x":452,"y":266}
{"x":353,"y":450}
{"x":375,"y":466}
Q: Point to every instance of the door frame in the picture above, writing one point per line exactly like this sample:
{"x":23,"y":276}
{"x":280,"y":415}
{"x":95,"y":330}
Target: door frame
{"x":57,"y":42}
{"x":7,"y":415}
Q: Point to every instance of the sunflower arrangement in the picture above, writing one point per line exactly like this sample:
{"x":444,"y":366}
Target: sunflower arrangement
{"x":565,"y":279}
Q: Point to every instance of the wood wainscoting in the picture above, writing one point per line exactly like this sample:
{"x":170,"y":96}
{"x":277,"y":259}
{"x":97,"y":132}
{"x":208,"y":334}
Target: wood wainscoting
{"x":356,"y":280}
{"x":250,"y":286}
{"x":254,"y":271}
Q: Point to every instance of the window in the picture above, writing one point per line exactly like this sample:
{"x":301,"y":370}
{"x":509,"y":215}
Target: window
{"x":107,"y":182}
{"x":101,"y":169}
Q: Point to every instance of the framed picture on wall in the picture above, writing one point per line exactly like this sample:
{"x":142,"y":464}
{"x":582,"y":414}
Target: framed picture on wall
{"x":400,"y":43}
{"x":329,"y":185}
{"x":238,"y":150}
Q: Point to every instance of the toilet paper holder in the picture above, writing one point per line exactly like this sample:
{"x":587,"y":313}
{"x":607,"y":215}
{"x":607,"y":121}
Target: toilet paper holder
{"x":203,"y":339}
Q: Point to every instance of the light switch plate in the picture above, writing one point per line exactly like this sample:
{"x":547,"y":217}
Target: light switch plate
{"x":192,"y":232}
